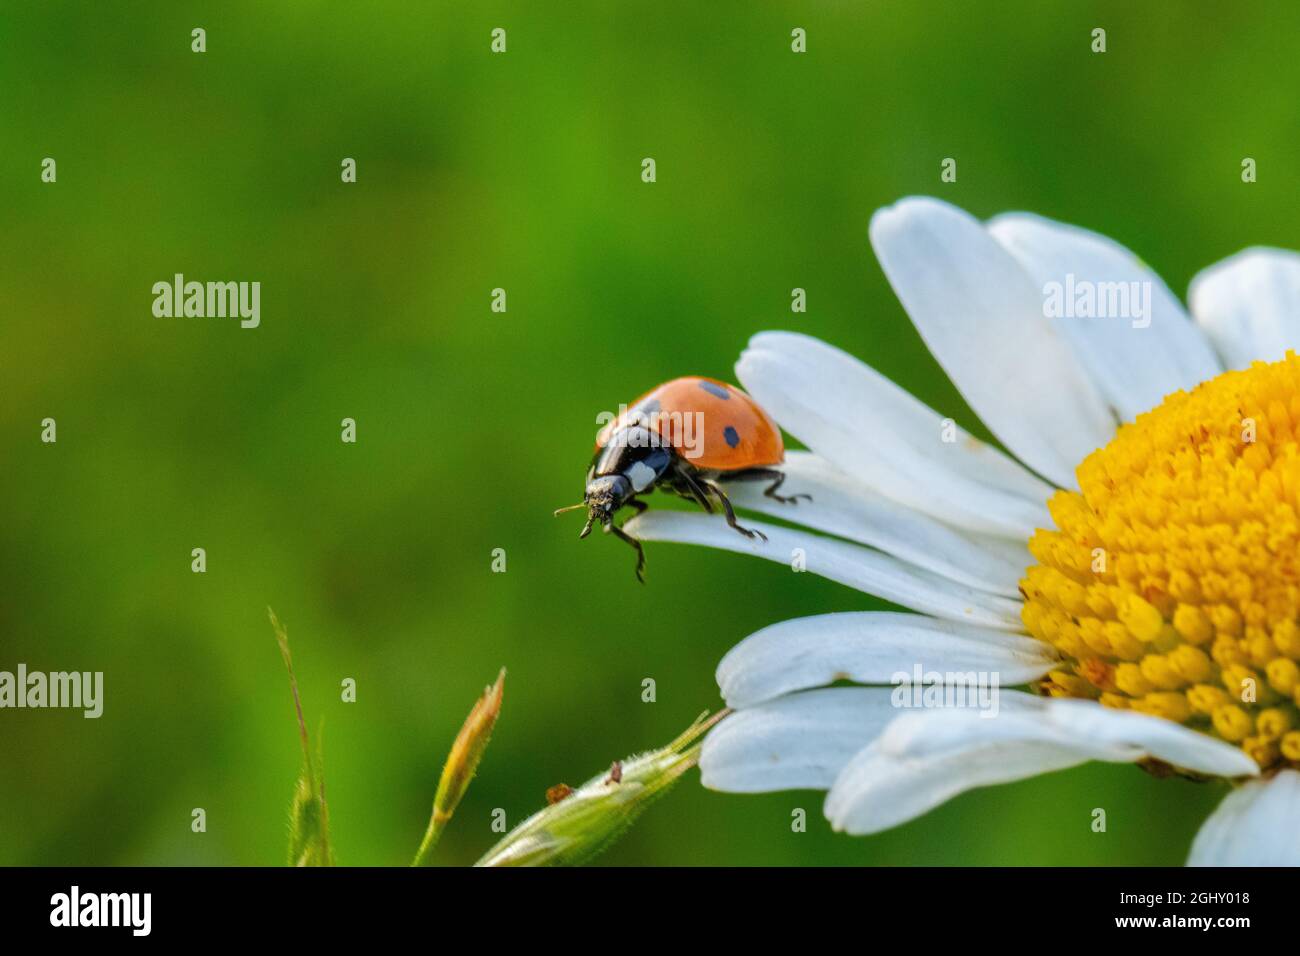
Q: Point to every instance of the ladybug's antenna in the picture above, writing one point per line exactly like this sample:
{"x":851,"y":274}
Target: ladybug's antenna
{"x":560,"y":511}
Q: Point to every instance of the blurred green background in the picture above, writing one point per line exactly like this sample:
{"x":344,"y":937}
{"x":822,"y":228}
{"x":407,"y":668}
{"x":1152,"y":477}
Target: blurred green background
{"x":519,"y":171}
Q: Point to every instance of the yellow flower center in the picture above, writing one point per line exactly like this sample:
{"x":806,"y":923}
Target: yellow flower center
{"x":1171,"y":584}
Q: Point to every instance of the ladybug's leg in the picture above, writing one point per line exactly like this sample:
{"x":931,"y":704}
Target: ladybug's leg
{"x":776,"y":477}
{"x":623,"y":535}
{"x":731,"y":515}
{"x":689,"y":487}
{"x":770,"y":490}
{"x":685,"y":485}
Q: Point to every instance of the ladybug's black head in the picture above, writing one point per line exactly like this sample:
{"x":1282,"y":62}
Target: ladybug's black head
{"x":604,"y":496}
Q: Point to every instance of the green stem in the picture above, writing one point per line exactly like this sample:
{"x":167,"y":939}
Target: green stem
{"x":437,"y":823}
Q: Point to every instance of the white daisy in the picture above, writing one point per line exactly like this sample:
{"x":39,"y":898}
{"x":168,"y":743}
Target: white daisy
{"x":1153,"y":504}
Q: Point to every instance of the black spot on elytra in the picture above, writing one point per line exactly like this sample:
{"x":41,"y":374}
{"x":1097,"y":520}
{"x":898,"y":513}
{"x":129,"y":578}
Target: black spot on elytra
{"x":730,"y":435}
{"x":716,"y":390}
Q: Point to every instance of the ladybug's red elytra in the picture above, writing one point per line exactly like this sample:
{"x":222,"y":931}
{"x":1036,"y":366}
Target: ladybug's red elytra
{"x":682,"y":437}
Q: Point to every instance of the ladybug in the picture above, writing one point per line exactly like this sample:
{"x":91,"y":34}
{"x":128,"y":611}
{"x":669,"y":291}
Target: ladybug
{"x":682,"y":437}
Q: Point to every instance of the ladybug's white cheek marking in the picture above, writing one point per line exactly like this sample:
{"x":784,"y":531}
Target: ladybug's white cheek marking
{"x":641,"y":475}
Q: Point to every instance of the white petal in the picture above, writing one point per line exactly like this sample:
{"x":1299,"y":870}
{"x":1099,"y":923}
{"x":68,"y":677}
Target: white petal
{"x":923,"y":759}
{"x":982,"y":318}
{"x":898,"y":792}
{"x":849,"y":564}
{"x":842,"y":507}
{"x":869,"y":428}
{"x":871,"y":647}
{"x":1137,"y":355}
{"x":1258,"y":824}
{"x":1249,"y":305}
{"x":795,"y":742}
{"x":1150,"y":736}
